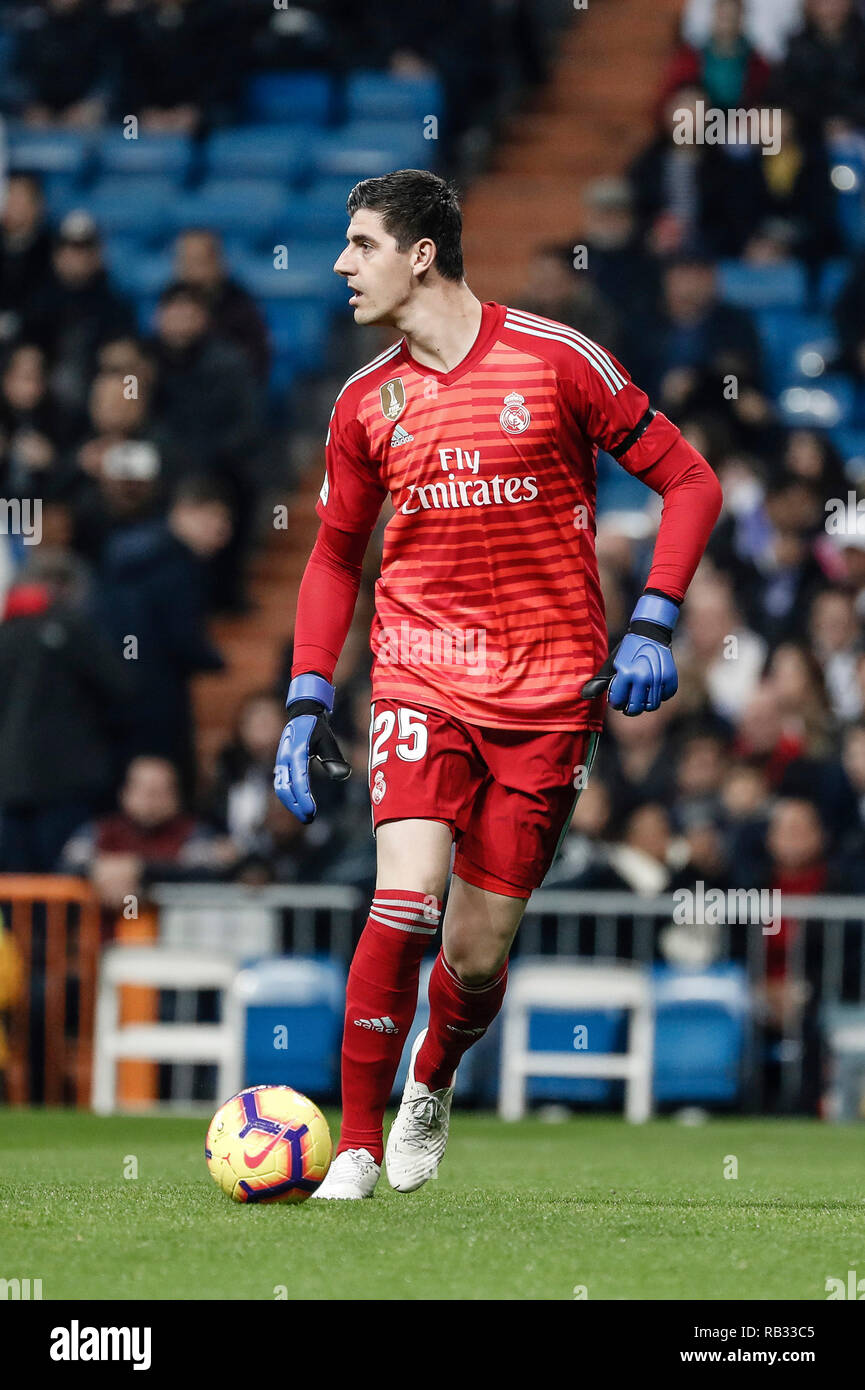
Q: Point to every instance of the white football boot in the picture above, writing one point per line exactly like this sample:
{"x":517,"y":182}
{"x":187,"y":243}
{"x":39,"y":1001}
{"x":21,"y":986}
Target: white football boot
{"x":352,"y":1175}
{"x":419,"y":1134}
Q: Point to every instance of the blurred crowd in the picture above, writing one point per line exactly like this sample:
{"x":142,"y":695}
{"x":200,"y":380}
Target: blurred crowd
{"x":181,"y":65}
{"x":144,"y":453}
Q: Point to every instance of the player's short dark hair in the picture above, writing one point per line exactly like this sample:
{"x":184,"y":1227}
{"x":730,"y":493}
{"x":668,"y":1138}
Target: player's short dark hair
{"x":414,"y":203}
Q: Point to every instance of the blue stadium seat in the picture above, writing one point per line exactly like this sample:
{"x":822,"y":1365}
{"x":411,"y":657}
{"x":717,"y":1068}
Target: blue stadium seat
{"x":137,"y":272}
{"x":50,"y":151}
{"x":378,"y":96}
{"x":143,"y":213}
{"x":294,"y":1017}
{"x":251,"y":207}
{"x":363,"y":149}
{"x":308,"y":274}
{"x":850,"y":208}
{"x":618,"y":490}
{"x":8,"y":49}
{"x":299,"y":331}
{"x":830,"y":402}
{"x":145,"y":312}
{"x":763,"y":286}
{"x":849,"y":440}
{"x":848,"y":178}
{"x":786,"y":336}
{"x":700,"y":1022}
{"x":262,"y":151}
{"x":296,"y":98}
{"x":319,"y":214}
{"x":168,"y":155}
{"x":833,"y":278}
{"x":61,"y":192}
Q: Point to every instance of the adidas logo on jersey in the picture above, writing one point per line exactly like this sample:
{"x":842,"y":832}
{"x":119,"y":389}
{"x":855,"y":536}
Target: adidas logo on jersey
{"x":378,"y":1025}
{"x":400,"y":436}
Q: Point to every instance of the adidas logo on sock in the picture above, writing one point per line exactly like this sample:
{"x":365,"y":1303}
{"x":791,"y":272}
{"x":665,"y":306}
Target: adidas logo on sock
{"x":378,"y":1025}
{"x":400,"y":436}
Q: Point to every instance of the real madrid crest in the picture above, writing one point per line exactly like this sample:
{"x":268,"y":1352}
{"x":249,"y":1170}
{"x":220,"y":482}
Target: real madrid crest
{"x":392,"y":398}
{"x":515,"y":418}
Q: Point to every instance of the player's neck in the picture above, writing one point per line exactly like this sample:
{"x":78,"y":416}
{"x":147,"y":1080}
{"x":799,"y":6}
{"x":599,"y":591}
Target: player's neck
{"x":441,"y":326}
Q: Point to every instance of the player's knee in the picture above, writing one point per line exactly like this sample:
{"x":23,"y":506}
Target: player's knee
{"x":429,"y":883}
{"x":475,"y":970}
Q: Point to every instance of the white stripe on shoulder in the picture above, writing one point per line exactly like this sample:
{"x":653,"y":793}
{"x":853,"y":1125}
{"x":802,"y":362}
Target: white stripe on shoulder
{"x":558,"y":333}
{"x":373,"y":365}
{"x":364,"y":371}
{"x":551,"y":325}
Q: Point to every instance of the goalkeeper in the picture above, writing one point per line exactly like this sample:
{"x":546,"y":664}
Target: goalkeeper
{"x":491,"y":672}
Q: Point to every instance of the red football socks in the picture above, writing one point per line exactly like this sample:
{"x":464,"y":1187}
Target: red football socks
{"x":380,"y":1004}
{"x":459,"y":1015}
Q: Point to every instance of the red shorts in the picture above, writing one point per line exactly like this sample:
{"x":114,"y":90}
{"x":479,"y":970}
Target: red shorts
{"x":507,"y":794}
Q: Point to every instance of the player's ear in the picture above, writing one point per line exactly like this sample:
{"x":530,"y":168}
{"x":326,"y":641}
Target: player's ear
{"x":423,"y":255}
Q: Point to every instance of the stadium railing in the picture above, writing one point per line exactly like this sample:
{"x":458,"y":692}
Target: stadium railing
{"x":823,"y":956}
{"x":55,"y":922}
{"x":56,"y":925}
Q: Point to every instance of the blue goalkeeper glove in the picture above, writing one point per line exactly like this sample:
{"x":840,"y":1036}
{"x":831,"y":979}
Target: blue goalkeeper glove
{"x":307,"y":735}
{"x":641,"y":672}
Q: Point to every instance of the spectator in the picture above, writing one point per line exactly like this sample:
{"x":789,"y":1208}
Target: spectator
{"x":797,"y":682}
{"x":207,"y":409}
{"x":849,"y":313}
{"x":726,"y":65}
{"x":584,"y":859}
{"x":699,"y":343}
{"x":625,"y":274}
{"x":704,"y":851}
{"x":234,"y":314}
{"x":179,"y":63}
{"x":823,"y":75}
{"x":700,"y":763}
{"x":635,"y":760}
{"x":836,"y":639}
{"x":25,"y":251}
{"x":761,"y":736}
{"x":791,"y":197}
{"x":852,"y":548}
{"x":118,"y":416}
{"x":558,"y":290}
{"x":285,"y":851}
{"x":243,"y":782}
{"x":149,"y":837}
{"x":76,"y":311}
{"x":719,"y":650}
{"x":852,"y":857}
{"x":811,"y":456}
{"x":62,"y":686}
{"x":767,"y":23}
{"x":686,"y":195}
{"x":152,"y":601}
{"x":787,"y":565}
{"x":642,"y":856}
{"x":35,"y":432}
{"x":61,"y":59}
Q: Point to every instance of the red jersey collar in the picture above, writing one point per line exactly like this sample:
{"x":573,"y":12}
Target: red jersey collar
{"x":492,"y":318}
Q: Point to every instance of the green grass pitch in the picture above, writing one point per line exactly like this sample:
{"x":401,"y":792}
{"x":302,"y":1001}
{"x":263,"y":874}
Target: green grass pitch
{"x":524,"y":1211}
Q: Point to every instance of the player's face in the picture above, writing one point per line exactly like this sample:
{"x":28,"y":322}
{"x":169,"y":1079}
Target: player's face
{"x":378,"y":275}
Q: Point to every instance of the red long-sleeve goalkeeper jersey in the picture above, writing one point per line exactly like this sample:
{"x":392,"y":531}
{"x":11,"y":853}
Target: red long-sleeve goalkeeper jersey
{"x":489,"y":606}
